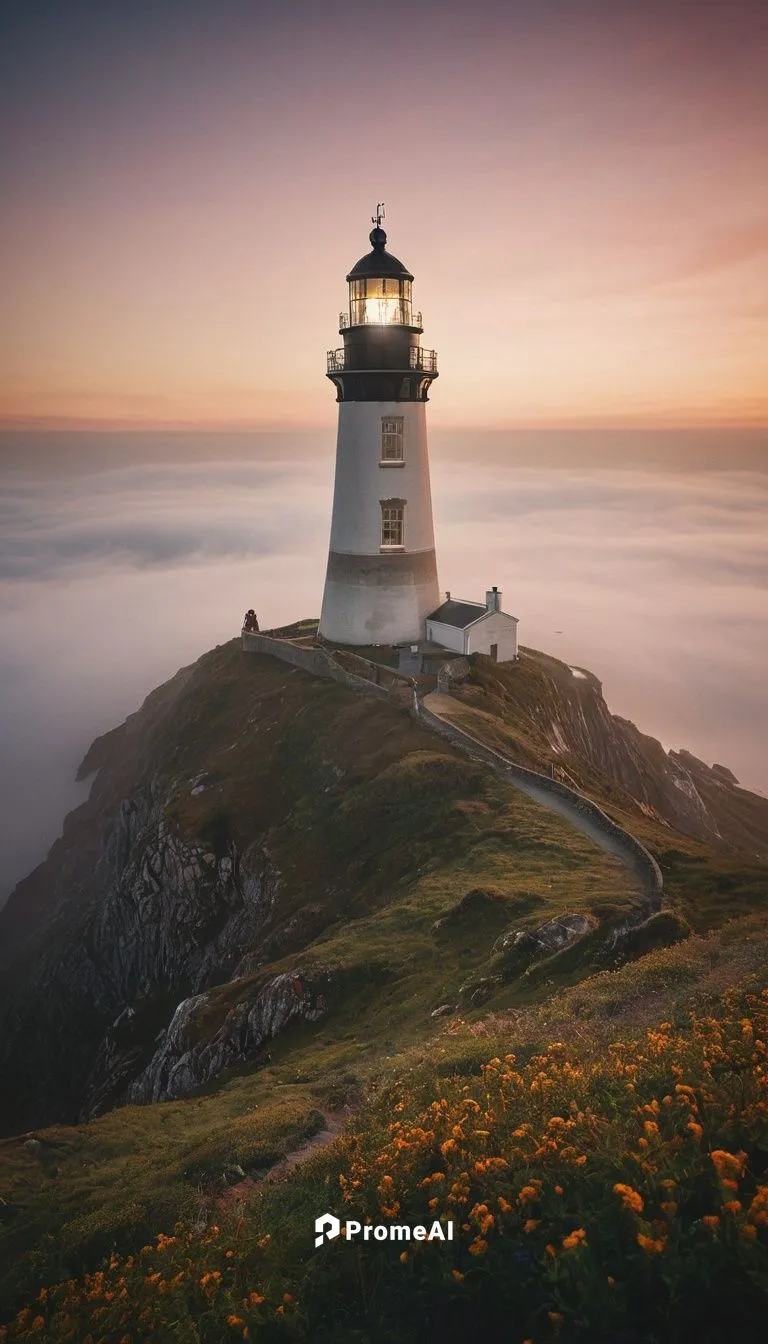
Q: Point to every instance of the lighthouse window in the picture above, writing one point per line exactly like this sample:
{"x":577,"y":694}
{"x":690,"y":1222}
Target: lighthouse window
{"x":391,"y":525}
{"x":392,"y":438}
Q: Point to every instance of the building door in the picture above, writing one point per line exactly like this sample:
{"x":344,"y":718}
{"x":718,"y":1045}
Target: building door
{"x":495,"y":652}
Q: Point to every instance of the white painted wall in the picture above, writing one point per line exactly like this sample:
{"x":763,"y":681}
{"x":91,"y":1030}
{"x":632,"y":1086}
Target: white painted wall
{"x":494,"y":628}
{"x":354,"y":613}
{"x":361,"y":483}
{"x":448,"y":635}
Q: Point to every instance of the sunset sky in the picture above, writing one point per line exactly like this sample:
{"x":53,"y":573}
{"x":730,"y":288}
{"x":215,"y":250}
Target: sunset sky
{"x":579,"y":186}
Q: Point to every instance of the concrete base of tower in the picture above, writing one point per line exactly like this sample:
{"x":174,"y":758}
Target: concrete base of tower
{"x":378,"y":599}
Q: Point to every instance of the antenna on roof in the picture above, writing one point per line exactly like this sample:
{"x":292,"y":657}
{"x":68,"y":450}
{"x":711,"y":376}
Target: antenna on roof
{"x":377,"y":218}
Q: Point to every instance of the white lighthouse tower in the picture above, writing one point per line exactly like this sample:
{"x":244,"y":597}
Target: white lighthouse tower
{"x":381,"y":581}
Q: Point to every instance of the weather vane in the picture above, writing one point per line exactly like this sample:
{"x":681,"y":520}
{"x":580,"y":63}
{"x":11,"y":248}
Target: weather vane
{"x":377,"y":218}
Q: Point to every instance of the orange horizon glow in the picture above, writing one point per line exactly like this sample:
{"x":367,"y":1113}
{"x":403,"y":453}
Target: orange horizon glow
{"x":580,"y":195}
{"x":85,"y":424}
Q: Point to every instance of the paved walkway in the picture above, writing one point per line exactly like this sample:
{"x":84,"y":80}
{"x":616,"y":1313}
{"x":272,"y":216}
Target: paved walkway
{"x":442,"y":706}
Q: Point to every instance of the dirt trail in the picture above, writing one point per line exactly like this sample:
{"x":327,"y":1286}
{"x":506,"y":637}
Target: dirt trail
{"x":334,"y":1124}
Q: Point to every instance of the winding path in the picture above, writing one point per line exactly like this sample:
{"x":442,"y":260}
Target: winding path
{"x":333,"y":1124}
{"x":581,"y":811}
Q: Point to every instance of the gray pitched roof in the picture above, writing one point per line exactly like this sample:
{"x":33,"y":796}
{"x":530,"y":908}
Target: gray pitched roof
{"x":460,"y":614}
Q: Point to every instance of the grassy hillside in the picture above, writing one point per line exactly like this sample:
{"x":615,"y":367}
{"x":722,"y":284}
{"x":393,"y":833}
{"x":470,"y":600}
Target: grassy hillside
{"x":365,"y":826}
{"x":608,"y":1185}
{"x":535,"y":1113}
{"x":538,"y":714}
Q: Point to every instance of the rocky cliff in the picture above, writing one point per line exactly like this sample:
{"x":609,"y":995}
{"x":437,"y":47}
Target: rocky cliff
{"x":261,"y":848}
{"x":555,"y":714}
{"x":244,"y":809}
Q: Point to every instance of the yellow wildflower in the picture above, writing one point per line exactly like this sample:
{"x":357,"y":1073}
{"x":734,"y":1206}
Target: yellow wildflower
{"x":574,"y":1239}
{"x":650,"y":1245}
{"x":528,"y":1194}
{"x":629,"y":1197}
{"x":728,"y":1164}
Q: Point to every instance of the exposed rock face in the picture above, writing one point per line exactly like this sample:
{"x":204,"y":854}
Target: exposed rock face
{"x":230,"y":822}
{"x":189,"y":1054}
{"x":521,"y":951}
{"x":131,"y":918}
{"x":563,"y":717}
{"x":171,"y":918}
{"x":202,"y":853}
{"x":550,"y":937}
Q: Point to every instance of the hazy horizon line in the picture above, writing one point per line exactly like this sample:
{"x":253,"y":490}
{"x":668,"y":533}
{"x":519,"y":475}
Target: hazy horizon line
{"x":64,"y":424}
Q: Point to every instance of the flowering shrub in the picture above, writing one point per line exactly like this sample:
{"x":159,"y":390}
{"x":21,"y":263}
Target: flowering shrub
{"x":188,"y":1286}
{"x":617,"y":1198}
{"x":624,"y":1197}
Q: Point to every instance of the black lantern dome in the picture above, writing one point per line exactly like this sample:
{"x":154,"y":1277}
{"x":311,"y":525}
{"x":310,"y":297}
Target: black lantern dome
{"x":379,"y":262}
{"x":382,"y":359}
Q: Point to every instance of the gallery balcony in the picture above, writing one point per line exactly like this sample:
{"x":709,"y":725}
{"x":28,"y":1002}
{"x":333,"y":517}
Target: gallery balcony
{"x":425,"y":361}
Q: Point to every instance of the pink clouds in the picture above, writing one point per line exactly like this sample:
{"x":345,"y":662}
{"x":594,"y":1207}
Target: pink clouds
{"x":580,"y":191}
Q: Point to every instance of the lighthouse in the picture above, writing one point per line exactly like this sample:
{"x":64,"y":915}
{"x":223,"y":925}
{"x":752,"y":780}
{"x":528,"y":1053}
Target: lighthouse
{"x":381,"y":580}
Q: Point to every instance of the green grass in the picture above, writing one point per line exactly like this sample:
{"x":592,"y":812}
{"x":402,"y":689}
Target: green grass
{"x":511,"y":707}
{"x":588,"y":1204}
{"x":385,"y":836}
{"x":113,"y":1183}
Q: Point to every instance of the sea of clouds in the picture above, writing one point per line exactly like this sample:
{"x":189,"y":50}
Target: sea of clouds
{"x":121,"y":561}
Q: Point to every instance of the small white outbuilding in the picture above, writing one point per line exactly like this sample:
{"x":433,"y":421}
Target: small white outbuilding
{"x":474,"y":627}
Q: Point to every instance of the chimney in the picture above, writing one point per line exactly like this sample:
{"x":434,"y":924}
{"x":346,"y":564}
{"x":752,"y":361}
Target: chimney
{"x":493,"y":599}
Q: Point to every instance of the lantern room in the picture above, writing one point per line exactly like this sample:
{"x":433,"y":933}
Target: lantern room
{"x":380,"y":288}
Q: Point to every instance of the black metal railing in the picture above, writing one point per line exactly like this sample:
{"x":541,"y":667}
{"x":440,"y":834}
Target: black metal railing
{"x":399,"y":317}
{"x":424,"y":360}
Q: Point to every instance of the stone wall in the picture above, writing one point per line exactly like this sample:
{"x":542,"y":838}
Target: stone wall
{"x":641,"y":860}
{"x":313,"y":660}
{"x":320,"y":663}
